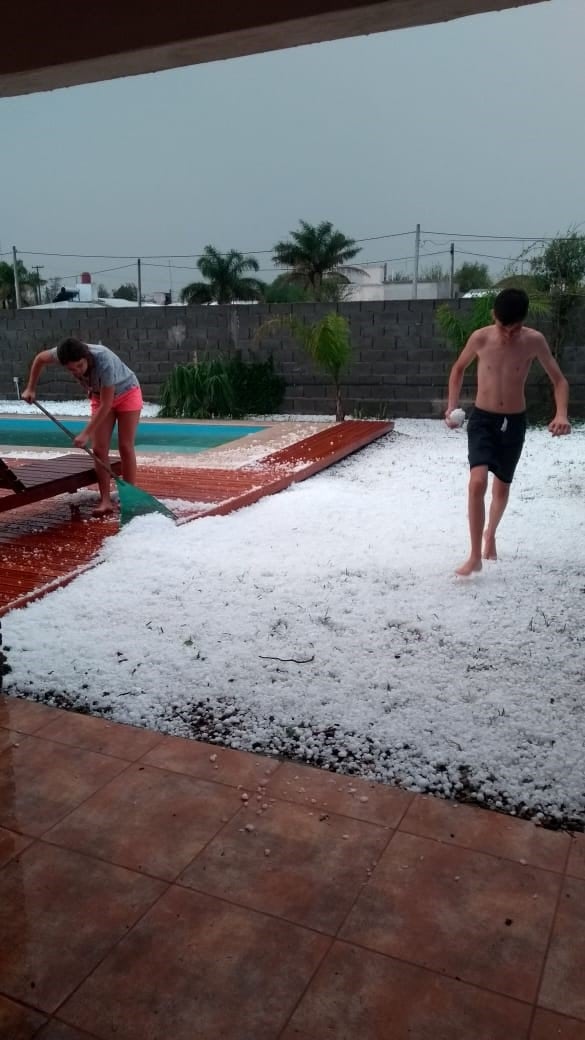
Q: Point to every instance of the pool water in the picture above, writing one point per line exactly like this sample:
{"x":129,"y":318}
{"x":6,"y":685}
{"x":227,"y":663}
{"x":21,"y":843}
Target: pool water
{"x":150,"y":436}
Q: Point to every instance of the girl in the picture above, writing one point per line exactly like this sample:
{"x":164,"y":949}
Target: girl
{"x":114,"y":394}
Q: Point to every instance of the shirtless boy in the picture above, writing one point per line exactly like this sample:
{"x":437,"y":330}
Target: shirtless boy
{"x":497,"y":423}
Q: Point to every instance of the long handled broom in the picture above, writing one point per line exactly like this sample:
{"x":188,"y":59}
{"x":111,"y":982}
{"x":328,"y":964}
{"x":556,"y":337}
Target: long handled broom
{"x":133,"y":500}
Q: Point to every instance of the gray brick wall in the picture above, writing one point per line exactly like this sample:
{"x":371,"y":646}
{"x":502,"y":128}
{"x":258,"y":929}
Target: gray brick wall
{"x":400,"y":359}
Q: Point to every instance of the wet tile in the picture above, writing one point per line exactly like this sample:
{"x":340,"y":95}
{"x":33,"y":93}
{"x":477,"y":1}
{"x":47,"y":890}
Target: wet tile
{"x":345,"y":795}
{"x":563,"y":986}
{"x":41,"y":781}
{"x":233,"y":972}
{"x":10,"y":845}
{"x":360,"y":994}
{"x":576,"y":864}
{"x":59,"y":1031}
{"x":149,"y":820}
{"x":210,"y":762}
{"x":17,"y":1022}
{"x":486,"y":831}
{"x":314,"y":871}
{"x":548,"y":1026}
{"x":109,"y":738}
{"x":25,"y":716}
{"x":60,"y":913}
{"x":474,"y":917}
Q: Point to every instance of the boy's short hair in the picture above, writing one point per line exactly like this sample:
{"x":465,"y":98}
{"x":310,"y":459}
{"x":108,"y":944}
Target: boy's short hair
{"x":511,"y":306}
{"x":72,"y":349}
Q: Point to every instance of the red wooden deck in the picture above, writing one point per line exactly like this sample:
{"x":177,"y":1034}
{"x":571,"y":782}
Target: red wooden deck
{"x":46,"y":545}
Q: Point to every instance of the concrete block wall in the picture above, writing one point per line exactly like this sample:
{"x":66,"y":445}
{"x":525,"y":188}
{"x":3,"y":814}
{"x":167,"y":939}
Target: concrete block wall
{"x":400,"y":361}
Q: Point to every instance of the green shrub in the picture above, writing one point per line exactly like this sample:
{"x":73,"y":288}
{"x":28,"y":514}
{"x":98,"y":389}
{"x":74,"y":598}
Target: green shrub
{"x":222,"y":388}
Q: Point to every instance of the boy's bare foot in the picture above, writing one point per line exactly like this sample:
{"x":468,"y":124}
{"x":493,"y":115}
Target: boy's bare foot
{"x":489,"y":547}
{"x":471,"y":566}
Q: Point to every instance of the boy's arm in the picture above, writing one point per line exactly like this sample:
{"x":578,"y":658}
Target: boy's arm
{"x":560,"y":425}
{"x":463,"y":362}
{"x":46,"y":357}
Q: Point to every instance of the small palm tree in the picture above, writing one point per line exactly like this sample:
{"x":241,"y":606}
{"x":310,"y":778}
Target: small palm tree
{"x":314,"y":254}
{"x":327,"y":342}
{"x":457,"y":327}
{"x":226,"y":278}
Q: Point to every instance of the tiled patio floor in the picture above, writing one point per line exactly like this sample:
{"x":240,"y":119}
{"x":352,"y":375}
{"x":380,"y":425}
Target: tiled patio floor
{"x":154,"y":888}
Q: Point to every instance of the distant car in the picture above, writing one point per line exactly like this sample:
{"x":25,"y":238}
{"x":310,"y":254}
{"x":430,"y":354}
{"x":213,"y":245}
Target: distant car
{"x":475,"y":294}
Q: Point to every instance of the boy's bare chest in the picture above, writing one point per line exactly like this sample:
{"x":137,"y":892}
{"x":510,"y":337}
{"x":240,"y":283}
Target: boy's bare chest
{"x":506,"y":359}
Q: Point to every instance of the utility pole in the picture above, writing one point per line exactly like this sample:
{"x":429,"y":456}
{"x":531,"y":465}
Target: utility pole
{"x":416,"y":262}
{"x":139,"y":265}
{"x":38,"y":267}
{"x":16,"y":282}
{"x":452,"y":277}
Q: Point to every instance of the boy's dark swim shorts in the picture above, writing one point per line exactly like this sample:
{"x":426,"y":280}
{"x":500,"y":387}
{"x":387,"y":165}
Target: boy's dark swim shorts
{"x":496,"y":441}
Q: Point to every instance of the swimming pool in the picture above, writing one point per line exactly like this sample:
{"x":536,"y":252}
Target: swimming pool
{"x":151,"y":436}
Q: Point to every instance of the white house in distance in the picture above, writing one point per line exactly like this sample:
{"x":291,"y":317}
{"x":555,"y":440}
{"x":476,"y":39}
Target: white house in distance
{"x":370,"y":282}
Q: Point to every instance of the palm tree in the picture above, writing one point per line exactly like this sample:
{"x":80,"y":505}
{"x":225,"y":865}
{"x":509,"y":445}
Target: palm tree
{"x":327,"y":342}
{"x":315,"y":253}
{"x":226,"y":278}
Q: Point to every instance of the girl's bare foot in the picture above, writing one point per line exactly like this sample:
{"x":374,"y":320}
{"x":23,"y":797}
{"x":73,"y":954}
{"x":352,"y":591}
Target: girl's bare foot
{"x":103,"y":509}
{"x":489,"y":547}
{"x":471,"y":566}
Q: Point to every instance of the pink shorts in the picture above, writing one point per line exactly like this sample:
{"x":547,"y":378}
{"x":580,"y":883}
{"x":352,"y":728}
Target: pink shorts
{"x":130,"y":401}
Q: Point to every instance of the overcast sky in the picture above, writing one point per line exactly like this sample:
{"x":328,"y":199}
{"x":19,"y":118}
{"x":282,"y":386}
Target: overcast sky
{"x":474,"y":126}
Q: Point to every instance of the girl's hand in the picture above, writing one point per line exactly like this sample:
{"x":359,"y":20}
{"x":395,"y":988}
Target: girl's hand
{"x":81,"y":440}
{"x":28,"y":395}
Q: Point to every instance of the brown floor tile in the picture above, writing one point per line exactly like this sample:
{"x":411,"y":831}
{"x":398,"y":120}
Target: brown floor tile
{"x":315,"y":869}
{"x":41,"y":781}
{"x":17,"y":1022}
{"x":462,"y":913}
{"x":486,"y":831}
{"x":576,"y":864}
{"x":563,"y":984}
{"x":357,"y":994}
{"x":109,"y":738}
{"x":8,"y":738}
{"x":10,"y":845}
{"x":25,"y":716}
{"x":233,"y":973}
{"x":210,"y":762}
{"x":59,"y":914}
{"x":345,"y":795}
{"x":59,"y":1031}
{"x":148,"y":819}
{"x":548,"y":1026}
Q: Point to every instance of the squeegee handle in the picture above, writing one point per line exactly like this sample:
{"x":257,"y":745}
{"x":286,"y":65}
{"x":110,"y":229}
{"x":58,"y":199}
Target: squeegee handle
{"x":71,"y":436}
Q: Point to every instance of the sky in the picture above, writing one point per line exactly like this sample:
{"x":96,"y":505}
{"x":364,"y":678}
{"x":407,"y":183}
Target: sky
{"x":472,"y":127}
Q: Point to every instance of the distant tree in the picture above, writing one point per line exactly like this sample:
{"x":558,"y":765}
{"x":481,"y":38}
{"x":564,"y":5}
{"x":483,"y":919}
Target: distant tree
{"x":103,"y":293}
{"x":314,"y":255}
{"x":281,"y":290}
{"x":128,"y":291}
{"x":560,"y":273}
{"x":227,"y":278}
{"x":472,"y":276}
{"x":26,"y":281}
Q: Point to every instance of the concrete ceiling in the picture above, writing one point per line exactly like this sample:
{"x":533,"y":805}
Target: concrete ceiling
{"x":44,"y":46}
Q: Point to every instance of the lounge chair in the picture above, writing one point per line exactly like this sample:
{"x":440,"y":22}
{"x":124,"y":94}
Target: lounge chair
{"x":39,"y":479}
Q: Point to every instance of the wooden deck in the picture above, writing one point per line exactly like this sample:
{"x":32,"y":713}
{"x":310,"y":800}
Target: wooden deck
{"x":44,"y":546}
